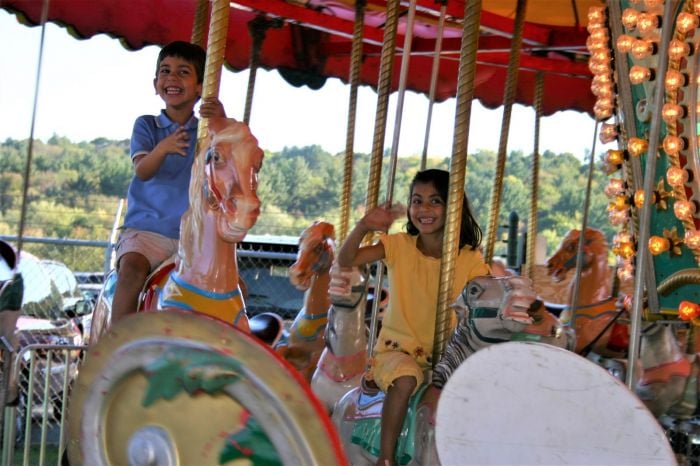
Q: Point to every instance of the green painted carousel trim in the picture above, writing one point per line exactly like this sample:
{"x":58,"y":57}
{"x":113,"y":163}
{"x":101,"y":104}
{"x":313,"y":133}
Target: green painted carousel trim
{"x":250,"y":443}
{"x":189,"y":370}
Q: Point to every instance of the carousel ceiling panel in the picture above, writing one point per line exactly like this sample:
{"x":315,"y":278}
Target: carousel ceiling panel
{"x":310,"y":41}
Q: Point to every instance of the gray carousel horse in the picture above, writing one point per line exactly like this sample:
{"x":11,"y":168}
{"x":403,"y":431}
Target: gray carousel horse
{"x":497,"y":309}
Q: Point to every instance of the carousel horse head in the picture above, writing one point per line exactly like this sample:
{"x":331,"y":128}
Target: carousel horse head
{"x":595,"y":252}
{"x":315,"y":255}
{"x":224,"y":182}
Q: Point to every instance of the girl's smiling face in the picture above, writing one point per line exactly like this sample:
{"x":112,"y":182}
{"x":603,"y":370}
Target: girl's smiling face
{"x":176,"y":82}
{"x":426,"y":208}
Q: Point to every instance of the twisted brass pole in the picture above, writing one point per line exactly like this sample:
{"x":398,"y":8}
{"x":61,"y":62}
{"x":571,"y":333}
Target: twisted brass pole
{"x":508,"y":100}
{"x":534,"y":181}
{"x":355,"y":68}
{"x":200,"y":22}
{"x":458,"y":165}
{"x":386,"y":68}
{"x":216,"y":51}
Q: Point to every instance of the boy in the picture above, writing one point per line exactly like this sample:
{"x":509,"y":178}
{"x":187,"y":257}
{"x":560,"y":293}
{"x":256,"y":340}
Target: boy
{"x":162,"y":151}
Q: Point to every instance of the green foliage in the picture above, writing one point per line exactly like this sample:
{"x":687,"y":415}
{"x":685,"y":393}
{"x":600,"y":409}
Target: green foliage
{"x":74,"y":190}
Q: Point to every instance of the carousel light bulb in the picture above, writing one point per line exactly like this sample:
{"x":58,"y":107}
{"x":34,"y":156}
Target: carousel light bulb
{"x":618,"y":217}
{"x":615,"y":157}
{"x":639,"y":74}
{"x":608,"y":133}
{"x":653,"y":3}
{"x":674,"y":80}
{"x":676,"y":176}
{"x":615,"y":186}
{"x":688,"y":310}
{"x":626,"y":250}
{"x":600,"y":34}
{"x":595,"y":44}
{"x":639,"y":198}
{"x":671,"y":112}
{"x":637,"y":146}
{"x":622,"y":237}
{"x":602,"y":90}
{"x":596,"y":15}
{"x":630,"y":17}
{"x":673,"y":145}
{"x":686,"y":22}
{"x":625,"y":273}
{"x":647,"y":22}
{"x":624,"y":43}
{"x":692,"y":239}
{"x":601,"y":114}
{"x":696,"y":7}
{"x":684,"y":209}
{"x":598,"y":67}
{"x":658,"y":245}
{"x":678,"y":49}
{"x":642,"y":48}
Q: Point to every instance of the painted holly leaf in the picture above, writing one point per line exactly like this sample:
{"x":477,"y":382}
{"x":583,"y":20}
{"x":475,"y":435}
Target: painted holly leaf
{"x":251,"y":443}
{"x":189,"y":370}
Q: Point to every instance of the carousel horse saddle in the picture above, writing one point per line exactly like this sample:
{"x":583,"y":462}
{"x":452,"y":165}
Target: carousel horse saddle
{"x":366,"y":431}
{"x":267,"y":326}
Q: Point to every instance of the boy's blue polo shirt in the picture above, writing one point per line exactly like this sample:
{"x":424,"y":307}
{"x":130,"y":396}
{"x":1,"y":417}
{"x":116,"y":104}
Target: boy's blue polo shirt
{"x":157,"y":204}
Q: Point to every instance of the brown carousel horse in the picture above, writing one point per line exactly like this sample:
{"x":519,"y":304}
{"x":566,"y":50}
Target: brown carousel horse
{"x":310,"y":273}
{"x":190,"y":385}
{"x":596,"y":317}
{"x":496,"y":309}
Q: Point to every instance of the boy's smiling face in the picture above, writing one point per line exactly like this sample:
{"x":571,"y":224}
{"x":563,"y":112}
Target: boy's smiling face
{"x":176,"y":83}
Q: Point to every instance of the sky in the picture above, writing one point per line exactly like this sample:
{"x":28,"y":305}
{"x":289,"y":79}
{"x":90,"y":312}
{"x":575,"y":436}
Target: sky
{"x":96,"y":88}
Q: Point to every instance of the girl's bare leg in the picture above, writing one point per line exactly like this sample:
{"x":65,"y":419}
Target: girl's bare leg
{"x":393,"y":414}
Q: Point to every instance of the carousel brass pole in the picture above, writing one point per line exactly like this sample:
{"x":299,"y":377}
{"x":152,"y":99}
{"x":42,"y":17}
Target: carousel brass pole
{"x":386,"y":67}
{"x":200,"y":22}
{"x":458,"y":165}
{"x":355,"y":68}
{"x":433,"y":82}
{"x":216,"y":50}
{"x":645,"y":216}
{"x":508,"y":100}
{"x":534,"y":182}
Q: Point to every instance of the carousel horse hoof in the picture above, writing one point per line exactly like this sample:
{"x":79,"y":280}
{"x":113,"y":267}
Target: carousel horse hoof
{"x":175,"y":387}
{"x":267,"y":327}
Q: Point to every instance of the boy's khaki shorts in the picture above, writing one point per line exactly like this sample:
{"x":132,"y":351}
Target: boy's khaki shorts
{"x":390,"y":365}
{"x":154,"y":247}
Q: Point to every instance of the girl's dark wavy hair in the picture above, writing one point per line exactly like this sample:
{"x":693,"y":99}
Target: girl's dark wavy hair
{"x":470,"y":232}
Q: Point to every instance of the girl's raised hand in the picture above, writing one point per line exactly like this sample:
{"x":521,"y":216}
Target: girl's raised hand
{"x":380,"y":218}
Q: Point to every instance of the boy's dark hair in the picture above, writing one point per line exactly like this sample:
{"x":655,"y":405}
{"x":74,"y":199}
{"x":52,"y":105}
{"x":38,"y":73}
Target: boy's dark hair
{"x":469,"y":233}
{"x":189,"y":52}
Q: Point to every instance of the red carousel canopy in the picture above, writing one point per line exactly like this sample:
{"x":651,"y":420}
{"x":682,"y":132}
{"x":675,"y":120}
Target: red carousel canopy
{"x":310,"y":40}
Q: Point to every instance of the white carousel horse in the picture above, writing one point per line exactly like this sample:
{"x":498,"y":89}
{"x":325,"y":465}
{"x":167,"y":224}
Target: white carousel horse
{"x":310,"y":273}
{"x":223,"y":207}
{"x":497,"y":310}
{"x":598,"y":318}
{"x":344,"y":358}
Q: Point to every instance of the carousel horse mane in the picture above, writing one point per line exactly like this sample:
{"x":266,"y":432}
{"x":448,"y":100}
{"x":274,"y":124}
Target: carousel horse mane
{"x":496,"y":310}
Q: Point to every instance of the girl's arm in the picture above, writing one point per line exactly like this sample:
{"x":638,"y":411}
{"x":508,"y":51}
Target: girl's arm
{"x":377,"y":219}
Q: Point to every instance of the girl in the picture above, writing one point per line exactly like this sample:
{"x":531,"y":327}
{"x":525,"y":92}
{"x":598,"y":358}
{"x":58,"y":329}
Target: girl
{"x":405,"y":344}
